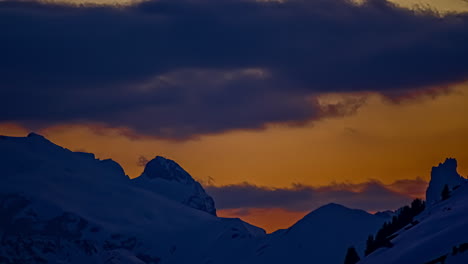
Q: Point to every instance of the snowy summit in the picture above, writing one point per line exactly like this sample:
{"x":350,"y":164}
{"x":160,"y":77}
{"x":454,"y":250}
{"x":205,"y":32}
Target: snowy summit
{"x":166,"y":177}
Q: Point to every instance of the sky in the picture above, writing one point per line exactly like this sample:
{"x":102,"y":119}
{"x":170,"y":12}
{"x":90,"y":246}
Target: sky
{"x":276,"y":107}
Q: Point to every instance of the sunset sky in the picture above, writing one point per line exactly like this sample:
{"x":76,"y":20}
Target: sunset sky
{"x":277,"y":107}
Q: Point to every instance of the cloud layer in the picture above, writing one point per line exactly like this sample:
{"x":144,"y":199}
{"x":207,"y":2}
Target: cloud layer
{"x":180,"y":68}
{"x":371,"y":196}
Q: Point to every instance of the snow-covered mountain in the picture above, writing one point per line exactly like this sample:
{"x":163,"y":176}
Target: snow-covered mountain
{"x":322,"y":236}
{"x":59,"y":206}
{"x":165,"y":177}
{"x":440,"y":233}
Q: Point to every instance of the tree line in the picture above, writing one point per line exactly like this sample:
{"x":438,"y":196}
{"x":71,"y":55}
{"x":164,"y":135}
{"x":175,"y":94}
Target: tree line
{"x":385,"y":234}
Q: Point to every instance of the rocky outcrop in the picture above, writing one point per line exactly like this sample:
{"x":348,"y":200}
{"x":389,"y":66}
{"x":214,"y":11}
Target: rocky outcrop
{"x":444,"y":173}
{"x":167,"y":178}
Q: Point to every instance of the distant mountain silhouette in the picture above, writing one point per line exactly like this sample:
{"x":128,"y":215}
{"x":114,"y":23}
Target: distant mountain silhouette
{"x":322,"y":236}
{"x":59,"y":206}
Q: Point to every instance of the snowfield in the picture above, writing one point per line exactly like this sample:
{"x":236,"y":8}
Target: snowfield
{"x":59,"y":206}
{"x":440,"y":229}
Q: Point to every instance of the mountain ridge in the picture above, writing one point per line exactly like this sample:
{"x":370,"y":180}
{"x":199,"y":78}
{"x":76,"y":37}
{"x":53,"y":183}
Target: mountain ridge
{"x":98,"y":192}
{"x":62,"y":206}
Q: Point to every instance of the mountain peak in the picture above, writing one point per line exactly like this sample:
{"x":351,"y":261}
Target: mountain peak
{"x":167,"y":178}
{"x":31,"y":137}
{"x":315,"y":236}
{"x":444,"y":173}
{"x":336,"y":205}
{"x":333,"y":206}
{"x":448,"y":164}
{"x":161,"y":167}
{"x":34,"y":135}
{"x":334,"y":210}
{"x":39,"y":139}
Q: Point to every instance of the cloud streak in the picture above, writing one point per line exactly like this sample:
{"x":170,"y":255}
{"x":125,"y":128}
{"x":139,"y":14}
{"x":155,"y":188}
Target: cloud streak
{"x":371,"y":196}
{"x":181,"y":68}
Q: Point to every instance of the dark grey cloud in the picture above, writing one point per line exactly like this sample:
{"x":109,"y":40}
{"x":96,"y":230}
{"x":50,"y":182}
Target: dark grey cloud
{"x":371,"y":196}
{"x":414,"y":188}
{"x":179,"y":68}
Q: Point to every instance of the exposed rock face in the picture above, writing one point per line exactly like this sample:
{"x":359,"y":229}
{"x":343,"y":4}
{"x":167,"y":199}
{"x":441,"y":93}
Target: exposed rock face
{"x":445,"y":173}
{"x":166,"y":169}
{"x":166,"y":177}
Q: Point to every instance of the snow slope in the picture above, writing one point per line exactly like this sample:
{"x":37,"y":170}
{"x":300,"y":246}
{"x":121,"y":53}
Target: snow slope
{"x":442,"y":227}
{"x":322,"y":236}
{"x":59,"y":206}
{"x":98,"y":193}
{"x":165,"y":177}
{"x":164,"y":216}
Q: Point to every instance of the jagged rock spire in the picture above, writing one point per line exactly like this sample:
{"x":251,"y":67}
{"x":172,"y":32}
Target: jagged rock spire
{"x":444,"y":173}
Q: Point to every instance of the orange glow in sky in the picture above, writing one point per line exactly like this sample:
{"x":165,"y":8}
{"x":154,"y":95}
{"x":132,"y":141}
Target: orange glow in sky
{"x":383,"y":140}
{"x":269,"y":219}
